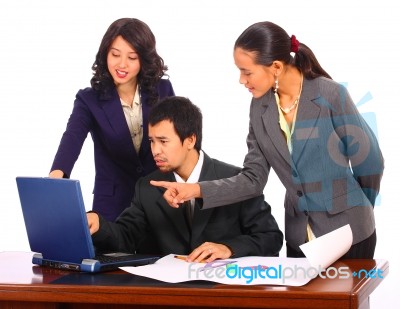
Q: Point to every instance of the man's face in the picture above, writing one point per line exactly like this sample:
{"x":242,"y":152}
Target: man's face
{"x":168,"y":151}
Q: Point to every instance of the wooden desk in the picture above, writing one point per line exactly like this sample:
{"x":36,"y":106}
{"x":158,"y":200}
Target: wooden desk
{"x":23,"y":285}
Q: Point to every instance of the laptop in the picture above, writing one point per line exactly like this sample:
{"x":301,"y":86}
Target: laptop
{"x":57,"y":228}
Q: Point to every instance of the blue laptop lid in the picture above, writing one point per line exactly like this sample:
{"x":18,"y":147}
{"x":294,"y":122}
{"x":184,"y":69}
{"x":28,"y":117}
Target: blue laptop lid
{"x":55,"y":218}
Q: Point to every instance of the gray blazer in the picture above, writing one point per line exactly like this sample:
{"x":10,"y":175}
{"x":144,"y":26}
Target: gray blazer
{"x":335,"y":165}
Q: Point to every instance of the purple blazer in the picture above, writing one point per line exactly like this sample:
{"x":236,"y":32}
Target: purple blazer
{"x":117,"y":164}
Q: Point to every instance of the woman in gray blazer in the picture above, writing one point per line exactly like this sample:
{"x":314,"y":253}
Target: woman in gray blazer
{"x":306,"y":127}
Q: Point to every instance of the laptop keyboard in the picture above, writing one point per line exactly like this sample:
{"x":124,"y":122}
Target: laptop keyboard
{"x":114,"y":257}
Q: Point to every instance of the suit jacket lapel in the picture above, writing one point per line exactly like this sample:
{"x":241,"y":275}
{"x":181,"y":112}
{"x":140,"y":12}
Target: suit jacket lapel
{"x":113,"y":110}
{"x":201,"y":217}
{"x":307,"y":115}
{"x":176,"y":216}
{"x":270,"y":119}
{"x":145,"y":146}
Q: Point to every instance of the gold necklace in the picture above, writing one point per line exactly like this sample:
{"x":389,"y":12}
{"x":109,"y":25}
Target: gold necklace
{"x":287,"y":110}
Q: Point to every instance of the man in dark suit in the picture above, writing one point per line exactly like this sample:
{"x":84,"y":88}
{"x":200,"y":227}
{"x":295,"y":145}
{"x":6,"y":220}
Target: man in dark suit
{"x":242,"y":229}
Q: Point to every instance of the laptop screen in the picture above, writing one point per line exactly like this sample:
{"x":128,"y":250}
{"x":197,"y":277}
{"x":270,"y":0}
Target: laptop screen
{"x":55,"y":218}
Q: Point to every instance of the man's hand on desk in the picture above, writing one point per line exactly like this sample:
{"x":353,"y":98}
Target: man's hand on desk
{"x":209,"y":252}
{"x":93,"y":222}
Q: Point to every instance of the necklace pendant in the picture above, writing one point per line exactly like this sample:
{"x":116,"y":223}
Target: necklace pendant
{"x":287,"y":110}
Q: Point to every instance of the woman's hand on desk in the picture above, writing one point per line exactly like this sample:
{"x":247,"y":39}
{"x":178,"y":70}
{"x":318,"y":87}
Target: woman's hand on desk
{"x":177,"y":192}
{"x":93,"y":222}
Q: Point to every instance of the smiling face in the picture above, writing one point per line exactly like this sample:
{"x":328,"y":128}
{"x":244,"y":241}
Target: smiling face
{"x":123,"y":62}
{"x":257,"y":78}
{"x":169,"y":153}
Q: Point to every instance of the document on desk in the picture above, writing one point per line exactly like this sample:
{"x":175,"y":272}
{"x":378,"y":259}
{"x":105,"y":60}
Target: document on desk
{"x":255,"y":270}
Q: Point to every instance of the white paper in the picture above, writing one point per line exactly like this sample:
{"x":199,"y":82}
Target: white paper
{"x":244,"y":271}
{"x":326,"y":249}
{"x":254,"y":270}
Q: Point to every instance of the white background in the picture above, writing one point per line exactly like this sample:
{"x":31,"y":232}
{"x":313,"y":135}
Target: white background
{"x":48,"y":47}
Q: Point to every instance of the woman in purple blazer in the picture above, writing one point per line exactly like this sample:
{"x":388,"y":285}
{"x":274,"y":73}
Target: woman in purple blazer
{"x":127,"y":81}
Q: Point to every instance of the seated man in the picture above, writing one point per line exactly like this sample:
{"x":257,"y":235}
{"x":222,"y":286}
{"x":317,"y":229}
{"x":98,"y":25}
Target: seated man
{"x":243,"y":229}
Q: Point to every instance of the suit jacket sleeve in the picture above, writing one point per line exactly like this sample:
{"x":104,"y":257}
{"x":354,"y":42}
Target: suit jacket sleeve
{"x":79,"y":124}
{"x":127,"y":232}
{"x":250,"y":182}
{"x":260,"y":234}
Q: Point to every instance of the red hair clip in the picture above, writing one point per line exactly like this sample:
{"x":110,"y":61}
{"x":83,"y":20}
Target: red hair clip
{"x":294,"y":44}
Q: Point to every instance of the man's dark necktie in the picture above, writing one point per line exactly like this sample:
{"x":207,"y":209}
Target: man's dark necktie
{"x":189,"y":212}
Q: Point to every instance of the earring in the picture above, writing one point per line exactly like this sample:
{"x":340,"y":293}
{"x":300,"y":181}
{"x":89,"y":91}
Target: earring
{"x":276,"y":84}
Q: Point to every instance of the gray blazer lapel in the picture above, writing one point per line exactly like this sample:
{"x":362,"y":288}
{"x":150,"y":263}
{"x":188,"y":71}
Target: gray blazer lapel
{"x":307,"y":115}
{"x":270,"y":119}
